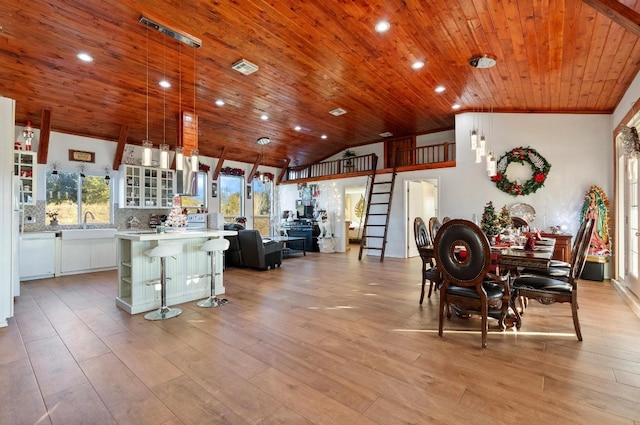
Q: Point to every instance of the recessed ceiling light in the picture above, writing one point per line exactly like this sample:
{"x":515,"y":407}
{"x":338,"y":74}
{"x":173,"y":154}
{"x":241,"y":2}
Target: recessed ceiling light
{"x":297,"y":128}
{"x":440,"y":89}
{"x":417,"y":65}
{"x":383,"y":26}
{"x":165,"y":84}
{"x":85,"y":57}
{"x":386,"y":134}
{"x":264,"y":117}
{"x":324,"y":136}
{"x":455,"y":106}
{"x":220,"y":102}
{"x":264,"y":141}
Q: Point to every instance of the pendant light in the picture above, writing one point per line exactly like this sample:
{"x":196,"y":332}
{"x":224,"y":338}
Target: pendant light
{"x":146,"y":144}
{"x":164,"y":148}
{"x":194,"y":152}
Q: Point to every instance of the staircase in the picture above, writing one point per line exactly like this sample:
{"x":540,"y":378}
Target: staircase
{"x":376,"y":221}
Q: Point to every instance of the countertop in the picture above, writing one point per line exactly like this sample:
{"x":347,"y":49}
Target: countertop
{"x":150,"y":235}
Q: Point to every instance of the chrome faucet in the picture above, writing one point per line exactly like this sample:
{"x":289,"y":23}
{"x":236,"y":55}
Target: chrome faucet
{"x":84,"y":221}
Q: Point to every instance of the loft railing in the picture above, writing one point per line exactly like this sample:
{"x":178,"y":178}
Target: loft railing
{"x":363,"y":163}
{"x":423,"y":157}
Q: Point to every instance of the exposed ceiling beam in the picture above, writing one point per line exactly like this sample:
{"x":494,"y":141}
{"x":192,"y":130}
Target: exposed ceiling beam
{"x":45,"y":132}
{"x":254,"y":169}
{"x":122,"y":141}
{"x":283,"y":171}
{"x":618,"y":13}
{"x":221,"y":159}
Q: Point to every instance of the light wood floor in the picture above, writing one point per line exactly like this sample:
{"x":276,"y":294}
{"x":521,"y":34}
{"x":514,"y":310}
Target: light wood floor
{"x":325,"y":339}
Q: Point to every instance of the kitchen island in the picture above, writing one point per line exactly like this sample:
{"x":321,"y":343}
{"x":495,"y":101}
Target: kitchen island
{"x":137,"y":273}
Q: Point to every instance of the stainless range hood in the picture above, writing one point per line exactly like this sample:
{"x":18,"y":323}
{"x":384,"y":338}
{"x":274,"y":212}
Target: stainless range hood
{"x":192,"y":186}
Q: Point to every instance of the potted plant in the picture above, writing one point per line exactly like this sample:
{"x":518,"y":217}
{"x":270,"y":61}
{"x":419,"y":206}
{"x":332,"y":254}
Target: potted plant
{"x":53,"y":217}
{"x":348,"y":154}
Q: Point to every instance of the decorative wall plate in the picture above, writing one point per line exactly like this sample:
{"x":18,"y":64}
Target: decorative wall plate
{"x":524,"y":211}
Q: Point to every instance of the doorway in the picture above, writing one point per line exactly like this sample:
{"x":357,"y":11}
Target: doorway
{"x":628,"y":267}
{"x":422,"y":201}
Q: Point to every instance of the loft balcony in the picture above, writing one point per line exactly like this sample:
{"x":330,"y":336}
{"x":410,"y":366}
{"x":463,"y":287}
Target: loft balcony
{"x":406,"y":159}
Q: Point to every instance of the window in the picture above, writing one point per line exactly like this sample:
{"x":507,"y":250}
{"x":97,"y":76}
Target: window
{"x":71,"y":196}
{"x":262,"y":206}
{"x":231,"y":197}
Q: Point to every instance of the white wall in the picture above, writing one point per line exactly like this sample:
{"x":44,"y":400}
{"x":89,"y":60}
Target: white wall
{"x":578,"y":147}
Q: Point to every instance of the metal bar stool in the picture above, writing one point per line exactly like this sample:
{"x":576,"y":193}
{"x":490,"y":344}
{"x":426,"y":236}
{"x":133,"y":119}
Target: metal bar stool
{"x":213,"y":246}
{"x":163,"y":251}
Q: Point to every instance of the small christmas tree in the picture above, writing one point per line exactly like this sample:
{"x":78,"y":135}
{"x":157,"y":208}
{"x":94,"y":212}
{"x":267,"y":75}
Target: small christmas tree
{"x":505,"y":218}
{"x":176,"y":218}
{"x":490,"y":223}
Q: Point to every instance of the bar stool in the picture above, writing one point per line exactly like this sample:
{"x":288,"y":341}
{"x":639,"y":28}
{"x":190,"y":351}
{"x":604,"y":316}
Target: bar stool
{"x":163,"y":251}
{"x":213,"y":246}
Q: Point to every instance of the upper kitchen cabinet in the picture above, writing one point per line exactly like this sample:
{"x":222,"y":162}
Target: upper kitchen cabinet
{"x":24,"y":165}
{"x":146,"y":187}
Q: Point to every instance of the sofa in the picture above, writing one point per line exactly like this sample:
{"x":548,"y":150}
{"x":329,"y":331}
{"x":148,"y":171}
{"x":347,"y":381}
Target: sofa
{"x":247,"y":249}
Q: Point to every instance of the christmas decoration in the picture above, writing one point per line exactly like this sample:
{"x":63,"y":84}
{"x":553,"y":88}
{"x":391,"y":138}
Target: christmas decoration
{"x":539,"y":167}
{"x":505,"y":217}
{"x":490,"y":222}
{"x":232,"y":171}
{"x":176,"y":218}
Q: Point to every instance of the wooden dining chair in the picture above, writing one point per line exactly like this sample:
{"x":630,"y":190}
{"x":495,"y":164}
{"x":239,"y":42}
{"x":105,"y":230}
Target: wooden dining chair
{"x":434,"y":226}
{"x":429,"y":269}
{"x":548,"y":290}
{"x":465,"y":286}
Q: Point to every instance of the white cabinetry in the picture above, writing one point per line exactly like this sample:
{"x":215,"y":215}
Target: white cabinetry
{"x":24,"y":165}
{"x":37,"y":255}
{"x":87,"y":255}
{"x":146,"y":187}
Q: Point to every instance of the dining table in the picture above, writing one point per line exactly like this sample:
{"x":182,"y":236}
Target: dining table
{"x":512,"y":259}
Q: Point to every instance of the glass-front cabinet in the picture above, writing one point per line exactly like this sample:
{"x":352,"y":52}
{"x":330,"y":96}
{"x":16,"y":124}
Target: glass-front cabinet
{"x":146,"y":187}
{"x":132,"y":181}
{"x":24,"y":165}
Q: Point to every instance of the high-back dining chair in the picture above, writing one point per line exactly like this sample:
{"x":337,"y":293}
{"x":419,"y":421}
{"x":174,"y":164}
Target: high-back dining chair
{"x":549,"y":290}
{"x":465,"y":285}
{"x":429,"y":269}
{"x":434,"y":226}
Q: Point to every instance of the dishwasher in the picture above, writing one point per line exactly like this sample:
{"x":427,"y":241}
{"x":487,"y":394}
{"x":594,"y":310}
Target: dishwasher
{"x":37,"y":255}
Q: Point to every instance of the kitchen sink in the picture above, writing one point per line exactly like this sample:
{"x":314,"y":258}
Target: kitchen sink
{"x":88,"y":233}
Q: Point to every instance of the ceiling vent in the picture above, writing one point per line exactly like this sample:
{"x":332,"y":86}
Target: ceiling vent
{"x":337,"y":112}
{"x":386,"y":134}
{"x":245,"y":67}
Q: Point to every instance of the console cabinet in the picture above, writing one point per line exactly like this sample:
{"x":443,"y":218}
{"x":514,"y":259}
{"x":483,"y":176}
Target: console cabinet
{"x":562,"y":249}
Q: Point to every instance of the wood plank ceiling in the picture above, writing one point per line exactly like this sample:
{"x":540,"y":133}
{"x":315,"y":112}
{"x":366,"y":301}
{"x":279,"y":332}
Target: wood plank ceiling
{"x":314,"y":56}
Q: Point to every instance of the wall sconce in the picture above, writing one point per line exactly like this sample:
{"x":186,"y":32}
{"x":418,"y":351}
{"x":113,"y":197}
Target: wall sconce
{"x":107,"y":177}
{"x":164,"y":156}
{"x":146,"y":153}
{"x":195,"y":166}
{"x":81,"y":168}
{"x":179,"y":158}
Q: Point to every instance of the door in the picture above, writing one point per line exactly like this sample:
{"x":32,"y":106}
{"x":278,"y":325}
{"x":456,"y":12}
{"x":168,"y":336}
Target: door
{"x":422,"y":197}
{"x":630,"y":274}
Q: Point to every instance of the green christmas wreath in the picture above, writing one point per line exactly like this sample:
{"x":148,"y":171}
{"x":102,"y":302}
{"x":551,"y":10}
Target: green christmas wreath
{"x":539,"y":167}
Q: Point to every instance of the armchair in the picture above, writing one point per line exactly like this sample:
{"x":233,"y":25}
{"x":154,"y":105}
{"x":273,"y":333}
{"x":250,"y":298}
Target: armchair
{"x":258,"y":254}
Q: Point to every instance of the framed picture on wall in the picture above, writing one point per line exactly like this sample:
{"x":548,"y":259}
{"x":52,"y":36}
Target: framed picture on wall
{"x":214,"y":189}
{"x":248,"y":191}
